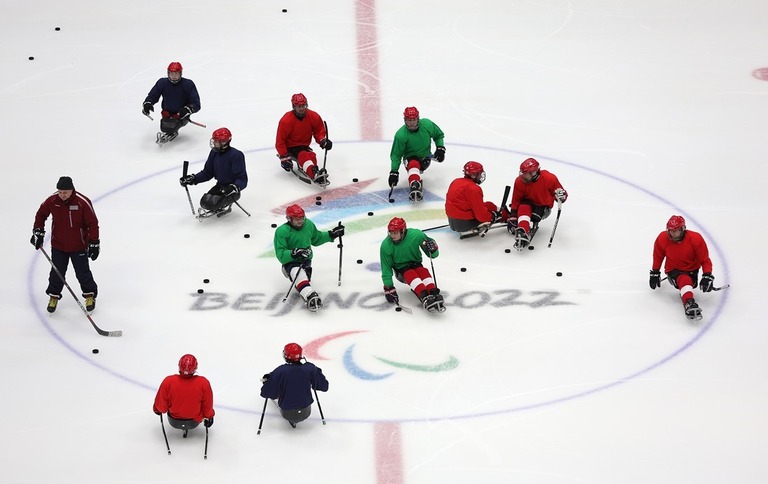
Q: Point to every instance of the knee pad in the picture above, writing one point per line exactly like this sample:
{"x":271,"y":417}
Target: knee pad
{"x":425,"y":163}
{"x":213,"y":202}
{"x":169,"y":125}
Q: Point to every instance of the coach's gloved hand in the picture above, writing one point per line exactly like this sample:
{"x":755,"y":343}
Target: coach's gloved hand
{"x":391,"y":294}
{"x":707,"y":282}
{"x":38,"y":235}
{"x":265,"y":377}
{"x":187,"y":180}
{"x":208,"y":422}
{"x":299,"y":253}
{"x":336,"y":232}
{"x":430,"y":246}
{"x":394,"y":177}
{"x":286,"y":162}
{"x":560,"y":195}
{"x":326,"y":144}
{"x":655,"y":280}
{"x":93,"y":249}
{"x":440,"y":154}
{"x":185,"y":112}
{"x":147,"y":107}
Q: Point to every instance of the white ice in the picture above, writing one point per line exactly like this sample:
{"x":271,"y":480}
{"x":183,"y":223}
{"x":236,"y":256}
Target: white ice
{"x":642,"y":109}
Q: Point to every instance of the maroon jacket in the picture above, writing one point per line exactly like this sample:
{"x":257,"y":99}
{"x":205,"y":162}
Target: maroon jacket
{"x":74,"y":221}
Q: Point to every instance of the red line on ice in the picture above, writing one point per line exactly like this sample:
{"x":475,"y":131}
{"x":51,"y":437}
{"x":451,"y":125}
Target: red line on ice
{"x":368,"y":70}
{"x":389,"y":453}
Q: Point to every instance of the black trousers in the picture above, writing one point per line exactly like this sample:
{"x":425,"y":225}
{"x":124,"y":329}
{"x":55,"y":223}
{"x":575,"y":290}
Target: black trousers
{"x":82,"y":271}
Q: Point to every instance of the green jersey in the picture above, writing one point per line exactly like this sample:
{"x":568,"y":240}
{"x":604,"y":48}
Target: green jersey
{"x":288,"y":238}
{"x":403,"y":254}
{"x":415,"y":143}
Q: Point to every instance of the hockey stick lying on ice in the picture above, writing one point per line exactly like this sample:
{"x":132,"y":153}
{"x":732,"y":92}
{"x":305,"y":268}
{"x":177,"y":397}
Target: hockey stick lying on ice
{"x":85,"y":311}
{"x":404,"y":309}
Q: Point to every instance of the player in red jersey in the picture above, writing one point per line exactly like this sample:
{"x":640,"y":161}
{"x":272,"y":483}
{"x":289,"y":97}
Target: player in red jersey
{"x":533,"y":196}
{"x":464,"y":203}
{"x":685,"y":252}
{"x":186,"y":397}
{"x":294,"y":135}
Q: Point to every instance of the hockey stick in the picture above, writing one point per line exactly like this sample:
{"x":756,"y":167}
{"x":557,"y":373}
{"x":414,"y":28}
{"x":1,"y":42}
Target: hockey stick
{"x":205,"y":455}
{"x":317,"y":399}
{"x":198,"y":124}
{"x":150,"y":117}
{"x":85,"y":311}
{"x":165,"y":435}
{"x":481,"y":233}
{"x":726,"y":286}
{"x":241,"y":208}
{"x":399,"y":308}
{"x":557,"y":219}
{"x":432,"y":264}
{"x":507,"y":189}
{"x":294,"y":280}
{"x":189,"y":197}
{"x":325,"y":156}
{"x":263,"y":411}
{"x":389,"y":197}
{"x":341,"y":248}
{"x":435,"y":228}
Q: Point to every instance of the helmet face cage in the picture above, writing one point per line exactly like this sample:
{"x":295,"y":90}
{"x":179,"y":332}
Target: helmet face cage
{"x":292,"y":353}
{"x":174,"y":67}
{"x":187,"y":365}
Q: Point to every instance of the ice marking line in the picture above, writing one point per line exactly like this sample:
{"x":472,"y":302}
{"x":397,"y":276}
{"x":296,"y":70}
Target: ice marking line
{"x":312,"y":349}
{"x":389,"y":455}
{"x":368,"y":70}
{"x":34,"y":296}
{"x":354,"y":369}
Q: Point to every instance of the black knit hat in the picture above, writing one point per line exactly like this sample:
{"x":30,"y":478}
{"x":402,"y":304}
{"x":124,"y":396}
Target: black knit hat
{"x":65,"y":183}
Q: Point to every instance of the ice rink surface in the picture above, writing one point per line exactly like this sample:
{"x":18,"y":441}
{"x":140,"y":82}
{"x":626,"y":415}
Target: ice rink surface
{"x":642,"y":110}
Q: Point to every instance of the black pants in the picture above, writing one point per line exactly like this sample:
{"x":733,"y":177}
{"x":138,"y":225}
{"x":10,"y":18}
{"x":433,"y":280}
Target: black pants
{"x":182,"y":424}
{"x":459,"y":225}
{"x":297,"y":415}
{"x":82,"y":271}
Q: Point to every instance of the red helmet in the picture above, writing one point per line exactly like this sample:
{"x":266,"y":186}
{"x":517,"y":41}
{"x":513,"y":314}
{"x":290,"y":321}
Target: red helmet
{"x":292,"y":353}
{"x":475,"y":171}
{"x":174,"y":67}
{"x":676,"y":222}
{"x":529,"y":165}
{"x":411,"y":113}
{"x":187,"y":365}
{"x":294,"y":211}
{"x":396,"y":223}
{"x":223,"y":136}
{"x":298,"y":99}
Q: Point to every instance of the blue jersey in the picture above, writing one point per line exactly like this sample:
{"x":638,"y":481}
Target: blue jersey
{"x":292,"y":385}
{"x":175,"y":96}
{"x":227,"y":167}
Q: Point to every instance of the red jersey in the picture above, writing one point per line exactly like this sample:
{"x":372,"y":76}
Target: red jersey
{"x":464,"y":201}
{"x":690,"y":254}
{"x":292,"y":131}
{"x":185,"y":398}
{"x":74,"y":221}
{"x":541,"y":192}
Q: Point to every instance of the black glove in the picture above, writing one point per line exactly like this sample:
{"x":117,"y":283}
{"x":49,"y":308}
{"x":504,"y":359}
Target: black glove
{"x":93,"y":249}
{"x":391,"y":294}
{"x":156,"y":412}
{"x":512,"y":225}
{"x":495,"y":216}
{"x":185,"y":112}
{"x":187,"y":180}
{"x":286,"y":162}
{"x":655,"y":280}
{"x":394,"y":177}
{"x":230,"y":190}
{"x":265,"y":377}
{"x":336,"y":232}
{"x":208,"y":422}
{"x":326,"y":144}
{"x":37,"y":238}
{"x":707,"y":282}
{"x":299,"y":253}
{"x":147,"y":107}
{"x":430,"y":246}
{"x":440,"y":154}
